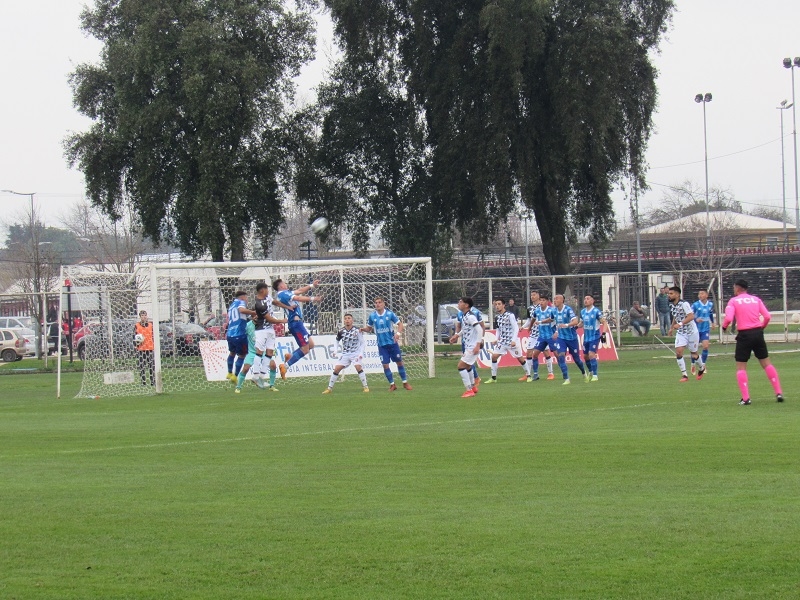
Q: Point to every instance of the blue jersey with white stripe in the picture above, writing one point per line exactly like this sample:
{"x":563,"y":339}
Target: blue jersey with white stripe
{"x":296,"y":309}
{"x":704,"y":312}
{"x":545,"y":329}
{"x":591,"y":323}
{"x":564,"y":317}
{"x":237,"y":322}
{"x":383,"y":326}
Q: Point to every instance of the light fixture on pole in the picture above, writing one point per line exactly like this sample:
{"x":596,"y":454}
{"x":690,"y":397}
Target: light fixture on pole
{"x":36,"y":273}
{"x":782,"y":108}
{"x":705,"y":99}
{"x":791,"y":64}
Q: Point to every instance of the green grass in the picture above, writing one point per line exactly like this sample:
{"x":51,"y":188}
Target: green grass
{"x":632,"y":487}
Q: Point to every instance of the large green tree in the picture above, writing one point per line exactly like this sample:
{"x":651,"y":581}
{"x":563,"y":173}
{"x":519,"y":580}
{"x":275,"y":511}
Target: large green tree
{"x":190,"y":108}
{"x":548,"y":102}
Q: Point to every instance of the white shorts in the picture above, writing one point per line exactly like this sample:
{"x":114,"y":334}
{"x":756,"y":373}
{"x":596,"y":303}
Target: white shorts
{"x":265,"y":339}
{"x":469,"y":358}
{"x":515,"y":350}
{"x":351,"y":358}
{"x":691,"y":342}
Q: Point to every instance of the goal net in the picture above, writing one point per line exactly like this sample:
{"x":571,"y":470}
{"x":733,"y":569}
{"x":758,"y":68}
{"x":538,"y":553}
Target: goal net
{"x":189,"y":302}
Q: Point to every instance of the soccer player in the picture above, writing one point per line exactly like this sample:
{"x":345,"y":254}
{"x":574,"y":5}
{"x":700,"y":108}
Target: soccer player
{"x":456,"y":335}
{"x":144,"y":351}
{"x":544,"y":317}
{"x":249,"y":359}
{"x":292,"y":299}
{"x":350,"y":342}
{"x":751,"y":317}
{"x":265,"y":336}
{"x":507,"y":340}
{"x":686,"y":334}
{"x":566,"y":323}
{"x":703,"y":310}
{"x":533,"y":338}
{"x":236,"y":335}
{"x":472,"y":335}
{"x":382,"y":322}
{"x":593,"y":323}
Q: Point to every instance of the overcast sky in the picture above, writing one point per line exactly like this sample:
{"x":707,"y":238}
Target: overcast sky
{"x":731,"y":49}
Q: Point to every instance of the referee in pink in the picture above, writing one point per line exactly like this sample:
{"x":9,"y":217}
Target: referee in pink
{"x":751,"y":318}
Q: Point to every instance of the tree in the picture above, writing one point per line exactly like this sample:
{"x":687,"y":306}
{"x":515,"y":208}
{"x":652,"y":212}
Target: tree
{"x":515,"y":106}
{"x":190,"y":108}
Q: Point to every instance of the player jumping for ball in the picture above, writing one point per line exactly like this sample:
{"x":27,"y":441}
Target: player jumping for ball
{"x":297,"y":328}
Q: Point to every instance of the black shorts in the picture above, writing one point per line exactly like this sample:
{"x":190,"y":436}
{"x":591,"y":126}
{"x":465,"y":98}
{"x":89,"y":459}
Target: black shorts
{"x":750,"y":340}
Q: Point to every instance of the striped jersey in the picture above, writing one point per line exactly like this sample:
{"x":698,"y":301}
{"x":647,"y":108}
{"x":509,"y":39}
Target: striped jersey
{"x":545,"y":329}
{"x":703,"y":315}
{"x":383,"y":325}
{"x":564,"y":317}
{"x":507,"y":328}
{"x":471,"y":331}
{"x":263,"y":308}
{"x":236,"y":320}
{"x":591,"y":323}
{"x":350,"y":340}
{"x":679,"y":311}
{"x":531,"y":322}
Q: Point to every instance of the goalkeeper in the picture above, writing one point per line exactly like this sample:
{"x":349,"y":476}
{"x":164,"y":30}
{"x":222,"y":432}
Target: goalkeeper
{"x":350,"y":346}
{"x":144,"y":343}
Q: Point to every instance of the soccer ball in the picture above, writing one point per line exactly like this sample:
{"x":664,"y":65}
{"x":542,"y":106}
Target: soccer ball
{"x":319,"y":225}
{"x":796,"y":318}
{"x":138,"y":339}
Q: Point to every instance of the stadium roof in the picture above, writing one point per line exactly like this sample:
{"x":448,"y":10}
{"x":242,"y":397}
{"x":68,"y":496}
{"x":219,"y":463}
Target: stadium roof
{"x":721,"y":220}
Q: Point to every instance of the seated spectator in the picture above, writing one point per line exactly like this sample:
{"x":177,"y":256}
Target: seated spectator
{"x":639,"y":319}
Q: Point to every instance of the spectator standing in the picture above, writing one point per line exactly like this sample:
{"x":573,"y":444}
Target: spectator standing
{"x":663,"y":311}
{"x":513,"y":309}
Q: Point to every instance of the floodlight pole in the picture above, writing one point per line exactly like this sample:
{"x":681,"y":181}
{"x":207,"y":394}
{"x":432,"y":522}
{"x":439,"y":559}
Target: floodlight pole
{"x":705,"y":99}
{"x":791,"y":64}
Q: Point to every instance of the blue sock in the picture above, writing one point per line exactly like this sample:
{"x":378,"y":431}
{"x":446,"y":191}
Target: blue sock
{"x":401,"y":370}
{"x":535,"y":366}
{"x":272,"y":374}
{"x":593,"y":366}
{"x":694,"y":360}
{"x":562,"y":363}
{"x":296,"y":355}
{"x":705,"y":356}
{"x":388,"y":372}
{"x":475,"y":371}
{"x":240,"y":379}
{"x":577,"y":358}
{"x":239,"y":363}
{"x":230,"y":363}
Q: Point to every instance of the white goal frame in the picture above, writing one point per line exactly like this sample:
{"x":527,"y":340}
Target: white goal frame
{"x":99,"y":289}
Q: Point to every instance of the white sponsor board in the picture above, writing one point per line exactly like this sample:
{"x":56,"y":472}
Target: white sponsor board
{"x":119,"y":377}
{"x":318,"y":362}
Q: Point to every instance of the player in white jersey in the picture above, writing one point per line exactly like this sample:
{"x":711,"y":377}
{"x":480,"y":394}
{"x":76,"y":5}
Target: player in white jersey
{"x":508,"y":341}
{"x":472,"y":334}
{"x":265,"y":336}
{"x":686,"y":334}
{"x":533,"y":338}
{"x":351,"y":347}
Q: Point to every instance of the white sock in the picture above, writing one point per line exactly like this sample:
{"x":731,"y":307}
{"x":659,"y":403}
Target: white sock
{"x":363,"y":377}
{"x":549,"y":363}
{"x":494,"y":369}
{"x":682,"y":365}
{"x":332,"y":380}
{"x":465,"y":377}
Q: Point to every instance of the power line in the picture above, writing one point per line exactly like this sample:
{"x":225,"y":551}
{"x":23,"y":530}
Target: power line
{"x":699,"y":162}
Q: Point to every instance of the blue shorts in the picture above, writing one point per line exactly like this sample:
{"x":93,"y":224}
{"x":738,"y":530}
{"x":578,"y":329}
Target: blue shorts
{"x":705,"y":335}
{"x":571,"y":345}
{"x":238,"y":345}
{"x":390,"y":353}
{"x":298,"y":331}
{"x":543,"y":344}
{"x":590,"y":345}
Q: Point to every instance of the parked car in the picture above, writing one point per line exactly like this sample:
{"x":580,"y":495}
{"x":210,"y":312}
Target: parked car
{"x":217,"y":326}
{"x":16,"y":323}
{"x":185,"y":338}
{"x":448,"y":318}
{"x":13,"y":345}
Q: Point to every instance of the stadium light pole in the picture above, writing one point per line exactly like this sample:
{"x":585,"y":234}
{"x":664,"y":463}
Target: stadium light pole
{"x":705,"y":99}
{"x":782,"y":108}
{"x":36,"y":273}
{"x":790,"y":64}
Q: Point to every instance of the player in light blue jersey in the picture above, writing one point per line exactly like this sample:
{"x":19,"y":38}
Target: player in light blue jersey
{"x":293,"y":299}
{"x":533,"y":338}
{"x":382,"y":322}
{"x":250,"y":334}
{"x":566,"y":330}
{"x":704,"y":317}
{"x":454,"y":338}
{"x":543,"y":318}
{"x":593,"y":323}
{"x":236,"y":335}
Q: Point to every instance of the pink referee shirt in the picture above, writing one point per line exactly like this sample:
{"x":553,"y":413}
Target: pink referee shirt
{"x":748,"y":310}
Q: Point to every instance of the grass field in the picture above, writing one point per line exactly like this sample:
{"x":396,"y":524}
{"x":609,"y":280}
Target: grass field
{"x":636,"y":486}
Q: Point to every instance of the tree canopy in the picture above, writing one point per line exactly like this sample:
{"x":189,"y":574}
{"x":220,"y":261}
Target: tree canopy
{"x":544,"y":103}
{"x":189,"y":103}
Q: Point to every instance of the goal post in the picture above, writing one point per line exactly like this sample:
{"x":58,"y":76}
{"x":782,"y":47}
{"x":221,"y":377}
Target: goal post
{"x":189,"y":301}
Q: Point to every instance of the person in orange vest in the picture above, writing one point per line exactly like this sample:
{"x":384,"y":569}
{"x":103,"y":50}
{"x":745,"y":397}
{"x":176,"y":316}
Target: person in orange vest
{"x":143,"y":340}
